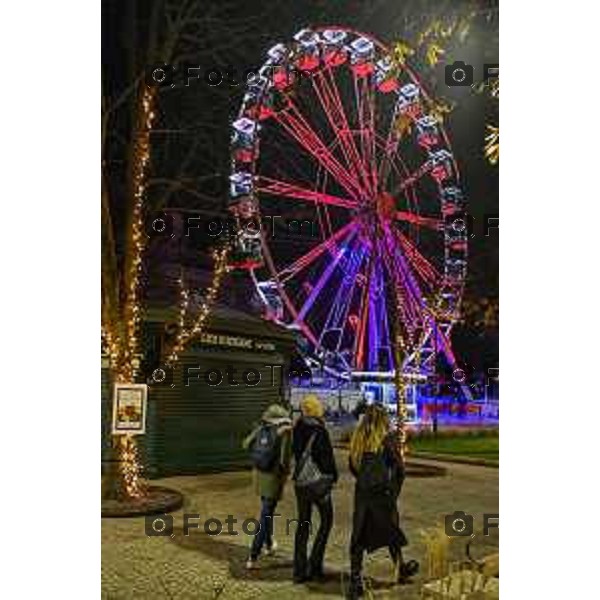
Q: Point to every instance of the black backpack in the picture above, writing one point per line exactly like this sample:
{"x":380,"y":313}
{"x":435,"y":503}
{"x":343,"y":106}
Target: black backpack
{"x":266,"y":448}
{"x":374,"y":475}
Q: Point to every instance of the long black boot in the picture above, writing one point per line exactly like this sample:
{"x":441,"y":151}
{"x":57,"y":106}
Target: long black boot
{"x":407,"y":570}
{"x":357,"y":589}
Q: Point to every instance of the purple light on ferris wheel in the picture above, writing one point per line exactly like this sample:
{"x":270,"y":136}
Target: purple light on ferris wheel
{"x":374,"y":316}
{"x":365,"y":190}
{"x":325,"y":277}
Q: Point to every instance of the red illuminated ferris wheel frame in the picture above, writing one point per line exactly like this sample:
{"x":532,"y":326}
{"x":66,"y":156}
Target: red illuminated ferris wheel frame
{"x":370,"y":178}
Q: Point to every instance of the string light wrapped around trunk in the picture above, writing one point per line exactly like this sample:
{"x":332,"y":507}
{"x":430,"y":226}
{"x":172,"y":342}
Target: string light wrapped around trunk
{"x":184,"y":334}
{"x":130,"y":466}
{"x":123,"y":349}
{"x":401,"y":410}
{"x":129,"y":459}
{"x":111,"y":345}
{"x":132,"y":311}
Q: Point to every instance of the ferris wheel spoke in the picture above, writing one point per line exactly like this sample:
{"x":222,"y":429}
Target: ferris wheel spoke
{"x":378,"y":335}
{"x":306,"y":259}
{"x":413,"y":178}
{"x":408,"y":280}
{"x":328,"y":94}
{"x":400,"y":300}
{"x":298,"y":127}
{"x":359,"y":342}
{"x":442,"y":341}
{"x":354,"y":283}
{"x":412,"y":307}
{"x":326,"y":275}
{"x":337,"y":318}
{"x":383,"y":170}
{"x":415,"y":219}
{"x":274,"y":187}
{"x":383,"y":319}
{"x":365,"y":108}
{"x":389,"y":149}
{"x":288,"y":303}
{"x":408,"y":285}
{"x":373,"y":329}
{"x":425,"y":269}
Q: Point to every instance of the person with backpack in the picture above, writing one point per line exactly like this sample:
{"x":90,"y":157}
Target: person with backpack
{"x":315,"y":474}
{"x":270,"y":451}
{"x":376,"y":464}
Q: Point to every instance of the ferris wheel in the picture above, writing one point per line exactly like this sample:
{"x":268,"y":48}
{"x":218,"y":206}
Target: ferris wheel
{"x":333,"y":134}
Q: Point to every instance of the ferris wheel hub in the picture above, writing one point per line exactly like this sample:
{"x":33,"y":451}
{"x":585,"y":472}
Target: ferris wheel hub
{"x":375,"y":216}
{"x":385,"y":206}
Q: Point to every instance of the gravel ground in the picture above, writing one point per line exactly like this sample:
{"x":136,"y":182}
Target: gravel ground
{"x":205,"y":566}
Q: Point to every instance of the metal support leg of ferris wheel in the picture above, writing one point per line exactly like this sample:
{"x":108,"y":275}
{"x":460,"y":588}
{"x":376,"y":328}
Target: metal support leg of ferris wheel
{"x":407,"y":368}
{"x":436,"y":342}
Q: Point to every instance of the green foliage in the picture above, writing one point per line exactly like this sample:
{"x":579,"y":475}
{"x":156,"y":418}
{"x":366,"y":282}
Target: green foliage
{"x":455,"y":433}
{"x":475,"y":446}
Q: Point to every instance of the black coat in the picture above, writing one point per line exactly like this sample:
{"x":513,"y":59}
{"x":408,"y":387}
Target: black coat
{"x":376,"y":521}
{"x":321,"y":451}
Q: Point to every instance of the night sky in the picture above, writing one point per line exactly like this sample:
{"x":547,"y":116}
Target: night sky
{"x":191,"y":139}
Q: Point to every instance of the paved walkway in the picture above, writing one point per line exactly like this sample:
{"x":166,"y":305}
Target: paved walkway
{"x":203,"y":566}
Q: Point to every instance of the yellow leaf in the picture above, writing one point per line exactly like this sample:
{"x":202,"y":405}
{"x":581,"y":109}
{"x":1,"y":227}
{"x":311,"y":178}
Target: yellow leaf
{"x":401,"y":52}
{"x":492,"y":144}
{"x":434,"y":51}
{"x":402,"y":125}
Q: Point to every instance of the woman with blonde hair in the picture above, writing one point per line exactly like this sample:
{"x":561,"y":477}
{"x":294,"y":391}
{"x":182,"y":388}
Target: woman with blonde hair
{"x":376,"y":464}
{"x":314,"y":476}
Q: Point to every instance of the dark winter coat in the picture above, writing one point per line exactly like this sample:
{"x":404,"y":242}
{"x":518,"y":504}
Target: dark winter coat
{"x":321,"y":451}
{"x":376,"y":521}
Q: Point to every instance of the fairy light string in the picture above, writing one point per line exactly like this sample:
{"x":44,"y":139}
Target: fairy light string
{"x":138,"y":239}
{"x":123,"y":349}
{"x":111,"y":345}
{"x":185,"y":334}
{"x":124,"y":355}
{"x":130,"y":466}
{"x":130,"y":462}
{"x":402,"y":411}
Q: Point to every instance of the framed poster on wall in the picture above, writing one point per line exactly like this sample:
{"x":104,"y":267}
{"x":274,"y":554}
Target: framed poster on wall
{"x":129,"y":408}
